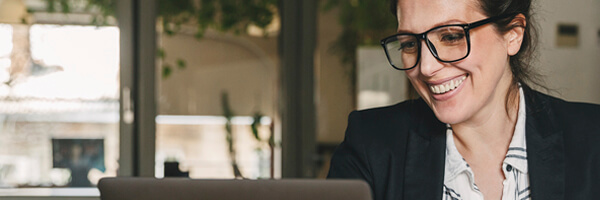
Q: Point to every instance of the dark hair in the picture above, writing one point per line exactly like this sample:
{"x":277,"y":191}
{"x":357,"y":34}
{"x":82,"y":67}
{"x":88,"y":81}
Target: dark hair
{"x":520,"y":63}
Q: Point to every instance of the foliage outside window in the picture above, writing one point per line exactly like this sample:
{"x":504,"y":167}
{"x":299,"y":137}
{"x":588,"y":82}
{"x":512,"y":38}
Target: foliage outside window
{"x":225,"y":16}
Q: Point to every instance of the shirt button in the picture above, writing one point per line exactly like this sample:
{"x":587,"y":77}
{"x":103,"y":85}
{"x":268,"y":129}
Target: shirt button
{"x":509,"y":168}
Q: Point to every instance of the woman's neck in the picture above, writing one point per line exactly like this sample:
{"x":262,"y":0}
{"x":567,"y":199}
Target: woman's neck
{"x":489,"y":132}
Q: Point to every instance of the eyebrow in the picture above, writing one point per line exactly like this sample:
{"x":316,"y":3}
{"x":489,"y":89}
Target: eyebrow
{"x":447,"y":22}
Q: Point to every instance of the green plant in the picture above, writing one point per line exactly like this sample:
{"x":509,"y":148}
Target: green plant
{"x":103,"y":9}
{"x":228,"y":114}
{"x":254,"y":127}
{"x":270,"y":141}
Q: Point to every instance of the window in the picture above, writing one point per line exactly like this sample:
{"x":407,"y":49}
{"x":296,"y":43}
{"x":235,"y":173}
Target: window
{"x":59,"y":104}
{"x":211,"y":75}
{"x":59,"y":100}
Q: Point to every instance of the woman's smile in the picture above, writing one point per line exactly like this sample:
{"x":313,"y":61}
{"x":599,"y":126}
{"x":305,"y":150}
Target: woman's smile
{"x":445,"y":86}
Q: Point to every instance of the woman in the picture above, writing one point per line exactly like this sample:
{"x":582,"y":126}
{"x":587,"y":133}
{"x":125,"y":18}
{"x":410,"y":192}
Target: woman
{"x":478,"y":131}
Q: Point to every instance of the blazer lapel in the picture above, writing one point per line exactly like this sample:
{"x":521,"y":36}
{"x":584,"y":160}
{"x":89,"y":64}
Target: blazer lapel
{"x":425,"y":158}
{"x":545,"y":149}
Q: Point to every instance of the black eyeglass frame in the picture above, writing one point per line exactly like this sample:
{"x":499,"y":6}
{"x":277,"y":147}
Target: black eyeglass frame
{"x":431,"y":47}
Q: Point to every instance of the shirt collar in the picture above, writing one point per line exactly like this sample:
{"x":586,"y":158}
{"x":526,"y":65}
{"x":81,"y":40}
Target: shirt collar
{"x":517,"y":150}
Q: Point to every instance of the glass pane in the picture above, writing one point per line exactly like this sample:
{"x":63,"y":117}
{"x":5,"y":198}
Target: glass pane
{"x":235,"y":59}
{"x":59,"y":99}
{"x":352,"y":71}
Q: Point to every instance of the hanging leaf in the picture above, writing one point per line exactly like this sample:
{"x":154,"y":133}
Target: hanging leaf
{"x":227,"y":112}
{"x":181,"y":63}
{"x":65,"y":7}
{"x":255,"y":123}
{"x":50,"y":6}
{"x":160,"y":53}
{"x":166,"y":71}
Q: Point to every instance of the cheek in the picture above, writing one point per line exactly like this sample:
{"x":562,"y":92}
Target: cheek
{"x":418,"y":85}
{"x":413,"y":76}
{"x":488,"y":54}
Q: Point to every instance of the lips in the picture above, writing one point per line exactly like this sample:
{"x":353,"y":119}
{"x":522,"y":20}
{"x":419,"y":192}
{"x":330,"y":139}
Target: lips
{"x":447,"y":86}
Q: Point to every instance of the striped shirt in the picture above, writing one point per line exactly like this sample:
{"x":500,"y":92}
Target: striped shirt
{"x":459,"y":179}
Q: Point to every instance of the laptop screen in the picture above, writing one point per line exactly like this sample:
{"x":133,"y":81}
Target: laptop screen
{"x":185,"y":188}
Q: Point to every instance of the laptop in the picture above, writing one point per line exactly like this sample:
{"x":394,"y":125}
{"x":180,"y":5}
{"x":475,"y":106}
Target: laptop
{"x":197,"y":189}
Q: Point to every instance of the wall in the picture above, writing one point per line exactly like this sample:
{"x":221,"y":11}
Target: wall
{"x":245,"y":67}
{"x":573,"y":72}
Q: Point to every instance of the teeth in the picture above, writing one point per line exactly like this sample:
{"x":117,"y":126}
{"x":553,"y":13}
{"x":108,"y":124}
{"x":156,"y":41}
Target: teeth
{"x":450,"y":85}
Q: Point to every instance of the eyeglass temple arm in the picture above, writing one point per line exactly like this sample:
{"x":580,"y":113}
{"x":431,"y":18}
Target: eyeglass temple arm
{"x":488,"y":20}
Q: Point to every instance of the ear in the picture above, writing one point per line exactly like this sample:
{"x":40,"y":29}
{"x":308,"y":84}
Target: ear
{"x":514,"y":37}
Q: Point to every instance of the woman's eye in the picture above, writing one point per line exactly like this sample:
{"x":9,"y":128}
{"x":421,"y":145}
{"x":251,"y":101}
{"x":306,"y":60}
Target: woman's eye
{"x":407,"y":46}
{"x":452,"y":37}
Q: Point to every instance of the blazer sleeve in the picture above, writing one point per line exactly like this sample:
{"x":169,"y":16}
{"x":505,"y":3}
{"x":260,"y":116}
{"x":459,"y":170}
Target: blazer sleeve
{"x":349,"y":160}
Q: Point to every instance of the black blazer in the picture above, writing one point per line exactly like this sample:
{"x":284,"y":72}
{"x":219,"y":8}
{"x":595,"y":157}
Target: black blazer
{"x":400,"y":150}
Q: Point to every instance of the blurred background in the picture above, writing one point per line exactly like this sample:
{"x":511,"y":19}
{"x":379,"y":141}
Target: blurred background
{"x":215,"y":89}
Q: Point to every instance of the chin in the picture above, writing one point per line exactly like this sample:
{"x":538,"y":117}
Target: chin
{"x":447,"y":119}
{"x":450,"y":116}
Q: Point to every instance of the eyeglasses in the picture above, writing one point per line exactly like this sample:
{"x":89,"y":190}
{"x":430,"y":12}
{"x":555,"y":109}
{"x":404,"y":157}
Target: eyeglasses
{"x":447,"y":43}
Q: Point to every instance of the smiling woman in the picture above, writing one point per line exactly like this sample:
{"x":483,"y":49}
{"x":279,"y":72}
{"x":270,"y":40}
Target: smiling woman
{"x":479,"y":130}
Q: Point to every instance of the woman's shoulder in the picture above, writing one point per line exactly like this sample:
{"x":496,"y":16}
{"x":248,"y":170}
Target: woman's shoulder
{"x":570,"y":111}
{"x":578,"y":119}
{"x":579,"y":122}
{"x":385,"y":123}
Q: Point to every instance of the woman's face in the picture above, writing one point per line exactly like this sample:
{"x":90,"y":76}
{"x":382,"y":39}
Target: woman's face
{"x":485,"y":73}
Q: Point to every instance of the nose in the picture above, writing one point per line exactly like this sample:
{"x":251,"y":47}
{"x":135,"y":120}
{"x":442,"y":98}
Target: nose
{"x":428,"y":64}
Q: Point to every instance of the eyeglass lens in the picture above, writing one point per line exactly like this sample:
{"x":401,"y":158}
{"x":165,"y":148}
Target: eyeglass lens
{"x":447,"y":43}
